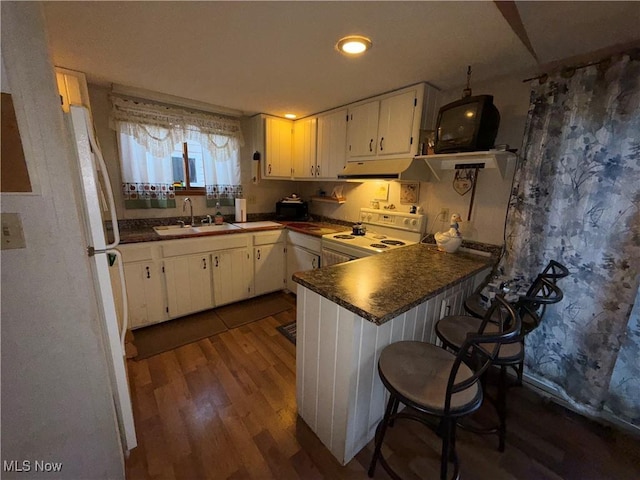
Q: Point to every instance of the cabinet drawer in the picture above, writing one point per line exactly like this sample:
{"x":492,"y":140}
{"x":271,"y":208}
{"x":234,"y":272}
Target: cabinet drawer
{"x":265,"y":238}
{"x":191,"y":246}
{"x":136,"y":253}
{"x":306,"y":241}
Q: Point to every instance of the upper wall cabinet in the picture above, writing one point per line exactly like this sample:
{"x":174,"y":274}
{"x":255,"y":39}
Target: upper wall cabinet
{"x":319,"y":146}
{"x":304,"y":148}
{"x":389,"y":126}
{"x":274,"y":142}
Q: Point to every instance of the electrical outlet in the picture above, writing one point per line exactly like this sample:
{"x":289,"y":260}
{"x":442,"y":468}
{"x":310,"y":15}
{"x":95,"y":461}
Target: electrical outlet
{"x":444,"y":214}
{"x":251,"y":200}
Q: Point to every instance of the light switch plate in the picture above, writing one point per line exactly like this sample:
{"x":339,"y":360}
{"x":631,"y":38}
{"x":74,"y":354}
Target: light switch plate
{"x":12,"y":235}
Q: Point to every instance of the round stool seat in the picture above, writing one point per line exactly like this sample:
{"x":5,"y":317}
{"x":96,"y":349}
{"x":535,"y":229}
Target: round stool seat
{"x":453,"y":331}
{"x":419,"y":372}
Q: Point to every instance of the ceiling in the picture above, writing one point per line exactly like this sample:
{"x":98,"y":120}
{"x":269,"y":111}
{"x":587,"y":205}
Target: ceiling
{"x":279,"y":57}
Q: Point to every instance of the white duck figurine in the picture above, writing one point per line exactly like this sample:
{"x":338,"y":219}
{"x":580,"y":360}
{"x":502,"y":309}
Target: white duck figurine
{"x":451,"y":240}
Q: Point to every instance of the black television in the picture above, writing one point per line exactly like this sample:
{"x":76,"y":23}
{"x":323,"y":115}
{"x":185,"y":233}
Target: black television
{"x":467,"y":125}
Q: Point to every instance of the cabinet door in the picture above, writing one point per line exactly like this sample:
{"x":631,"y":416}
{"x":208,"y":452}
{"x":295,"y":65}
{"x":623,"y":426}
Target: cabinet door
{"x":299,"y":260}
{"x":144,"y":293}
{"x":395,"y":126}
{"x":304,"y":148}
{"x":332,"y":141}
{"x":278,"y":138}
{"x":269,"y":264}
{"x":188,"y":280}
{"x":232,"y":275}
{"x":362,"y":130}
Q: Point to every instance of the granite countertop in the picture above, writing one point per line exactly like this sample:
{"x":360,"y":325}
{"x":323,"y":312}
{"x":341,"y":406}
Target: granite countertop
{"x":381,"y":287}
{"x":145,"y":233}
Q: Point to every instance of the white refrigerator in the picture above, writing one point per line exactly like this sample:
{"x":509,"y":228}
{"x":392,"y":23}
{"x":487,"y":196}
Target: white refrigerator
{"x":98,"y":203}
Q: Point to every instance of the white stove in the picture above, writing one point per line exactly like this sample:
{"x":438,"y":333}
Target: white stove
{"x":385,"y":230}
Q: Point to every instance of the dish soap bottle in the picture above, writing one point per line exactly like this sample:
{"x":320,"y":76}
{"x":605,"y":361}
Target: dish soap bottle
{"x":218,"y":219}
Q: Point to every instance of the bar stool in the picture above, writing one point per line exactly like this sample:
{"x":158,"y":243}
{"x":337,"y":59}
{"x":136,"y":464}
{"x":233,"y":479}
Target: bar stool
{"x":437,"y":383}
{"x":453,"y":331}
{"x":476,"y":306}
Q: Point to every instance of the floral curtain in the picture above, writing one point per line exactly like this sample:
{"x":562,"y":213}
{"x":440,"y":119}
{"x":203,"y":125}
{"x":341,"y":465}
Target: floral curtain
{"x":576,"y":200}
{"x":148,"y":135}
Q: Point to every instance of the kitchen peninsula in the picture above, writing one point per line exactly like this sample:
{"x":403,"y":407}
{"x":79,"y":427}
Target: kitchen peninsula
{"x":346,"y":315}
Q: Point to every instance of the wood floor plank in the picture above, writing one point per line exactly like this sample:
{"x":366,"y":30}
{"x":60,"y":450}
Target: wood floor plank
{"x":224,"y":408}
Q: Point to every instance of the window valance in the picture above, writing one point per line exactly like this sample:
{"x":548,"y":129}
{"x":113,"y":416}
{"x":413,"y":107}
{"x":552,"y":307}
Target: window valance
{"x":160,"y":127}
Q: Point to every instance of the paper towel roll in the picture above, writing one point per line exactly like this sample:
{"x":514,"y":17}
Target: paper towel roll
{"x":241,"y":209}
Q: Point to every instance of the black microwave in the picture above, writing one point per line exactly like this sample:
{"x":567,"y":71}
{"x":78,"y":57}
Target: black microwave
{"x":298,"y":211}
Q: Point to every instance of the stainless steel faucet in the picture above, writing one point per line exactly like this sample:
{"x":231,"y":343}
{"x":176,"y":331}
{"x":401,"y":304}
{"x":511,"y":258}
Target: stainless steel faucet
{"x":184,"y":207}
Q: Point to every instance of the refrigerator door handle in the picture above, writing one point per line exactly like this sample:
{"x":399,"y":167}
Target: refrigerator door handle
{"x":125,"y":305}
{"x":106,"y":182}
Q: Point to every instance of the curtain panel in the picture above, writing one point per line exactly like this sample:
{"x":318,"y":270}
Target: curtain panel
{"x":576,"y":199}
{"x":148,"y":136}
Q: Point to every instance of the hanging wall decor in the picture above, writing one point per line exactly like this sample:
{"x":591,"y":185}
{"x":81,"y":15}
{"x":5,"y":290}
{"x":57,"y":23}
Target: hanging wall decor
{"x":464,"y":180}
{"x":409,"y":192}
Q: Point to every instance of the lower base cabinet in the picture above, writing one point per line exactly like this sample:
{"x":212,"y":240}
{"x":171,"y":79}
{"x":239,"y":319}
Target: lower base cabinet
{"x":144,"y":293}
{"x":268,"y":268}
{"x":189,"y":284}
{"x":299,"y":260}
{"x":232,"y":276}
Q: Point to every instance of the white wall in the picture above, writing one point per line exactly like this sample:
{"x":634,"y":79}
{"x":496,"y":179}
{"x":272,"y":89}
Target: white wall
{"x":511,"y":96}
{"x":56,"y":398}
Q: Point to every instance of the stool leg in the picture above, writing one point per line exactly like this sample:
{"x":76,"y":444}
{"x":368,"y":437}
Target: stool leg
{"x":380,"y":431}
{"x":446,"y":427}
{"x":394,"y":410}
{"x":502,"y":408}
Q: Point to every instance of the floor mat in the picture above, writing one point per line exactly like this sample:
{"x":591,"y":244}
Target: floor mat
{"x":289,"y":330}
{"x":172,"y":334}
{"x":253,"y":309}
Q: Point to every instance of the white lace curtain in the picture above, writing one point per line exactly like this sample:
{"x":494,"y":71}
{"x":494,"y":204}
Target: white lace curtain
{"x":149,"y":134}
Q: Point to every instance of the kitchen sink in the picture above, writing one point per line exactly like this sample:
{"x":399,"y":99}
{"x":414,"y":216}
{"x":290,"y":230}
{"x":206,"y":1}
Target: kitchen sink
{"x":167,"y":230}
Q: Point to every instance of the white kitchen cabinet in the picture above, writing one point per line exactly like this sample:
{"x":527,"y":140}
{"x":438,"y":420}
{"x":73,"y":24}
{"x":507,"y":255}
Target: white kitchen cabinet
{"x":304,"y":149}
{"x":388,"y":126}
{"x":278,"y":147}
{"x":269,"y":261}
{"x":232,"y":275}
{"x":189,"y":284}
{"x":299,"y":259}
{"x":145,"y":294}
{"x":331,"y":144}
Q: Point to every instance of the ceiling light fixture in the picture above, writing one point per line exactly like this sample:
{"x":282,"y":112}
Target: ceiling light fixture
{"x":290,"y":115}
{"x":353,"y":45}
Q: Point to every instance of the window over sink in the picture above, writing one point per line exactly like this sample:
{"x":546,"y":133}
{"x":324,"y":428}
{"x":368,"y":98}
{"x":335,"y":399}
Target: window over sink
{"x":165,"y":151}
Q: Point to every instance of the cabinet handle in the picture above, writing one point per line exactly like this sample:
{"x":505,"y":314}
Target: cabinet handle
{"x":313,"y":263}
{"x":148,"y":272}
{"x":381,"y":140}
{"x":312,"y":170}
{"x":258,"y":254}
{"x":317,"y":170}
{"x":269,"y":171}
{"x":204,"y":263}
{"x":371,"y":145}
{"x":216,"y":257}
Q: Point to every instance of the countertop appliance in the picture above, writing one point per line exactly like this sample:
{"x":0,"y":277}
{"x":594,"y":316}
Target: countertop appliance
{"x":292,"y":210}
{"x":97,"y":199}
{"x":385,"y":230}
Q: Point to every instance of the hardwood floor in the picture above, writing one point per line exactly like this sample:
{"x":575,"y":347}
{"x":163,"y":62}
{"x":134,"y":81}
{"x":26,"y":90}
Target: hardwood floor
{"x":224,"y":408}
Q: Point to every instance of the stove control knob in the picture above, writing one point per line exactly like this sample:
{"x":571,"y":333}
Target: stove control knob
{"x":363,"y":216}
{"x":414,"y":222}
{"x":369,"y":216}
{"x":406,"y":221}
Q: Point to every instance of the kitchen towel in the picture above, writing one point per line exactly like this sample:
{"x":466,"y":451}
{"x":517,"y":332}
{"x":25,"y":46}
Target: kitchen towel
{"x":241,"y":209}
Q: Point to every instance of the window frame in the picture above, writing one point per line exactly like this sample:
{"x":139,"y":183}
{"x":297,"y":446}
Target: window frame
{"x":188,"y":189}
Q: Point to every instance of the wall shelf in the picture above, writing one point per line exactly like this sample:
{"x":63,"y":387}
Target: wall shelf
{"x":448,"y":161}
{"x":328,"y":199}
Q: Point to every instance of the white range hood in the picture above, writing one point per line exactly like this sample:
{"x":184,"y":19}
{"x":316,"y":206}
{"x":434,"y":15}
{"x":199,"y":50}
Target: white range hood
{"x":407,"y":169}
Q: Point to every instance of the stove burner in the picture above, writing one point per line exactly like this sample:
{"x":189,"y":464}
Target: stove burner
{"x":344,"y":237}
{"x":379,"y":237}
{"x":378,"y":245}
{"x":393,"y":242}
